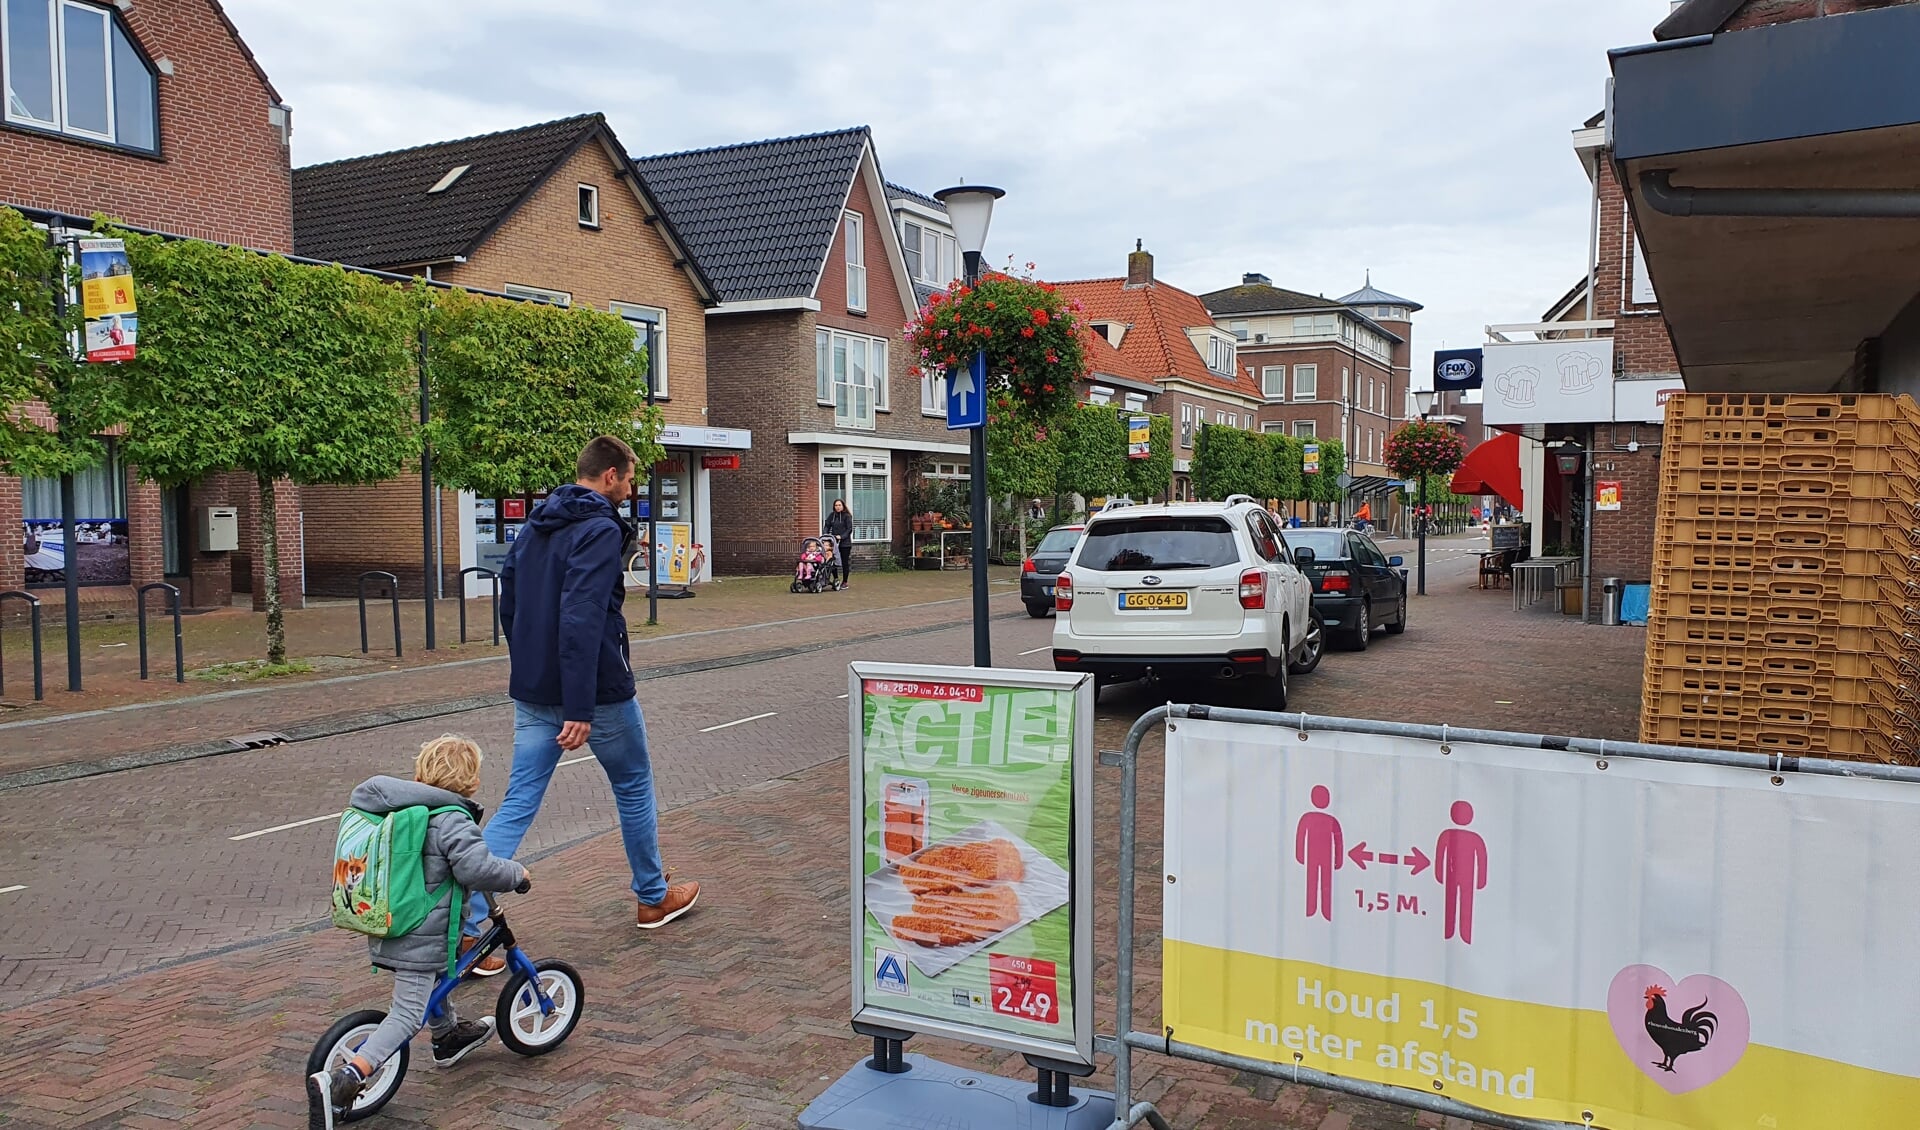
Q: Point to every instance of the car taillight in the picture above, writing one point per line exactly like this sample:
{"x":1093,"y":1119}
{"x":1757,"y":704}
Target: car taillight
{"x":1063,"y":594}
{"x":1027,"y":566}
{"x":1336,"y":582}
{"x":1253,"y":589}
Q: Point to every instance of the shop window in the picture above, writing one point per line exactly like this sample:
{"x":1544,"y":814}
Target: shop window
{"x":863,"y":482}
{"x":100,"y":520}
{"x":73,"y":68}
{"x":649,"y":333}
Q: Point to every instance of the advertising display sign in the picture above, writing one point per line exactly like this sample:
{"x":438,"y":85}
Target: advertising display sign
{"x":106,"y":298}
{"x":1310,"y":459}
{"x":1606,"y":494}
{"x":1636,"y":944}
{"x":1139,"y":437}
{"x":972,"y":881}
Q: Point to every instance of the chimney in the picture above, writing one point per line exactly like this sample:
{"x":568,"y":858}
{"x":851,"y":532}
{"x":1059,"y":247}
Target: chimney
{"x":1255,"y":278}
{"x":1139,"y":266}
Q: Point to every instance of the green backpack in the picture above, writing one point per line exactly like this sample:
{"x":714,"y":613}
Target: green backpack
{"x":379,"y":885}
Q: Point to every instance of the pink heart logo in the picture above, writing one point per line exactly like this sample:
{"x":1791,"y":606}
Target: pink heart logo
{"x":1682,"y":1034}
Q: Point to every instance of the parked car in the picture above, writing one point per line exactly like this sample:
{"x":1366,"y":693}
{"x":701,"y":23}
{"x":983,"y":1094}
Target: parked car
{"x":1198,"y":588}
{"x":1356,"y":588}
{"x":1037,"y":572}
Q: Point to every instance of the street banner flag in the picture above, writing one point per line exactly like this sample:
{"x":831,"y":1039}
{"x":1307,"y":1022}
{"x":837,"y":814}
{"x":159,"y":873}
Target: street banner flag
{"x":106,"y":297}
{"x":1456,"y":370}
{"x":1310,"y":459}
{"x":1139,"y":442}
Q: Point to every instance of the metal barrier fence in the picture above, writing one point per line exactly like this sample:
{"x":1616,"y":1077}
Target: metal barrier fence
{"x":39,"y":676}
{"x":489,"y":574}
{"x":1595,"y":751}
{"x":179,"y":646}
{"x":393,"y":593}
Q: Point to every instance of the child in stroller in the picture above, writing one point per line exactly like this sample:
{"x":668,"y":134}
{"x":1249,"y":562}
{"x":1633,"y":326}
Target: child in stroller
{"x":818,"y":566}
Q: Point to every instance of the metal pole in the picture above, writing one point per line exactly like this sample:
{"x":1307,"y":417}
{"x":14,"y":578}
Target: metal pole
{"x":1423,"y":535}
{"x":69,"y":536}
{"x":977,"y":471}
{"x":429,"y":575}
{"x":653,"y":498}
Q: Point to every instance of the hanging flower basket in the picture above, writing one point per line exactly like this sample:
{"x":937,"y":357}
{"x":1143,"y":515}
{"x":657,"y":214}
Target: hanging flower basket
{"x":1029,"y":333}
{"x":1420,"y":449}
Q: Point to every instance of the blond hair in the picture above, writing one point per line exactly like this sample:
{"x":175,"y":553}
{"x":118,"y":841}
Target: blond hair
{"x":449,"y":762}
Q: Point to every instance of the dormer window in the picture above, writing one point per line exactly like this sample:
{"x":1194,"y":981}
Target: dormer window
{"x":1220,"y":355}
{"x":72,"y":68}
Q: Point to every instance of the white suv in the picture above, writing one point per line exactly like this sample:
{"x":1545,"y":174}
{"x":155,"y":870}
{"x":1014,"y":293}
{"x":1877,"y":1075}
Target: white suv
{"x":1186,"y":588}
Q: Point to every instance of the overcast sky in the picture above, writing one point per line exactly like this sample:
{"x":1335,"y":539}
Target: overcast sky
{"x":1426,"y":140}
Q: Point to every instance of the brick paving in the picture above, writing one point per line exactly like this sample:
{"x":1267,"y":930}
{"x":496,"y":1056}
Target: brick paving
{"x":736,"y":1016}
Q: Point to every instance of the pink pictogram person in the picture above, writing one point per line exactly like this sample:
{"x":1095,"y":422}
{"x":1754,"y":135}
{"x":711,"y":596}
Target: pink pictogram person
{"x":1317,"y":843}
{"x":1460,"y":864}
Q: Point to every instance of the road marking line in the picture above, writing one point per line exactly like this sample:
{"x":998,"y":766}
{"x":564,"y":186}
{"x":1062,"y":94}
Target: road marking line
{"x":284,"y":827}
{"x":738,"y":722}
{"x":1037,"y":650}
{"x":15,"y":887}
{"x":840,"y":696}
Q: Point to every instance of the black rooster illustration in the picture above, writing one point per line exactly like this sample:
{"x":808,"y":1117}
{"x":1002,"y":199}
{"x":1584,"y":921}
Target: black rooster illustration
{"x":1690,"y":1033}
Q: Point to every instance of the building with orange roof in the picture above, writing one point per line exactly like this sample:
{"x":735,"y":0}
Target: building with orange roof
{"x":1163,"y":338}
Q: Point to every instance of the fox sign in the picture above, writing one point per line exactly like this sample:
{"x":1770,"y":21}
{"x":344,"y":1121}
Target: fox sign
{"x":1635,"y":944}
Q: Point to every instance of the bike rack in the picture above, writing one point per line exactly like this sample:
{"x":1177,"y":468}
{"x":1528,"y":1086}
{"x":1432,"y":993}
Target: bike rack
{"x":39,"y":679}
{"x":179,"y":650}
{"x":393,"y":591}
{"x":489,"y":574}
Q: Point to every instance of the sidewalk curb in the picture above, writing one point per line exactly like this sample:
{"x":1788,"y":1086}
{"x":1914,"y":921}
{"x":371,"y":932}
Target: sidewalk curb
{"x":354,"y":723}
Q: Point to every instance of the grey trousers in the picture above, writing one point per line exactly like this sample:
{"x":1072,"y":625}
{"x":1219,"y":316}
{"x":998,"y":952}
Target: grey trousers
{"x":410,"y":993}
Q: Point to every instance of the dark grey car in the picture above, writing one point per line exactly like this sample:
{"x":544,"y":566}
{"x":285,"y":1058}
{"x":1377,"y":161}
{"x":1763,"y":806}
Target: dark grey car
{"x":1356,"y":588}
{"x":1039,"y":571}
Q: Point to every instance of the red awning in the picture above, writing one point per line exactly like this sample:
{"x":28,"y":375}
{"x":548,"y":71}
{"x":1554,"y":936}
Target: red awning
{"x":1492,"y":468}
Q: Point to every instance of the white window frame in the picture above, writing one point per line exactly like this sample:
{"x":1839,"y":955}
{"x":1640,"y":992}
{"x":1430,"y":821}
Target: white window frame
{"x":1188,"y":423}
{"x":589,"y":195}
{"x":933,"y":397}
{"x":1306,"y":383}
{"x":1100,"y":395}
{"x":1267,"y":389}
{"x":1221,"y":356}
{"x":828,"y":379}
{"x":911,"y":235}
{"x":1136,"y":402}
{"x":1304,"y":429}
{"x":1274,"y":426}
{"x":538,"y":294}
{"x":846,"y":463}
{"x":639,"y":316}
{"x":57,"y":55}
{"x":854,"y":226}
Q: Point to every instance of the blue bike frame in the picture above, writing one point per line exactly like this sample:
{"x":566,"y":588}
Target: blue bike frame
{"x":496,"y":936}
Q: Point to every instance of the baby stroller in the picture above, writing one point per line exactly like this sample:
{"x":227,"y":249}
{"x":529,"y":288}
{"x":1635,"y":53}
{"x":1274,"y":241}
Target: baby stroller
{"x":819,"y":566}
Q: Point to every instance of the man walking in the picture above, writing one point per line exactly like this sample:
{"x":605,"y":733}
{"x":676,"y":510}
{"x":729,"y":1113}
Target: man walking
{"x":571,"y":682}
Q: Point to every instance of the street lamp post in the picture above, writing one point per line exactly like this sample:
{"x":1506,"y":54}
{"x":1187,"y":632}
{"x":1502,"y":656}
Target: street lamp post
{"x":1425,"y":402}
{"x":970,"y":209}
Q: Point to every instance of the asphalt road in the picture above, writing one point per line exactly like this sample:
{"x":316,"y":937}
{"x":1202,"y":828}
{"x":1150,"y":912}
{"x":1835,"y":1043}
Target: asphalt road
{"x":121,"y":873}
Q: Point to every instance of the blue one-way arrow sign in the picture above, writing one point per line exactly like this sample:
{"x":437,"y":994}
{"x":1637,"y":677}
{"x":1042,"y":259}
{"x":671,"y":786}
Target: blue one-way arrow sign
{"x":967,"y":395}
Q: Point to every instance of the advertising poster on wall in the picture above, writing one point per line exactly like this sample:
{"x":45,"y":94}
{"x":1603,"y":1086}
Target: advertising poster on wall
{"x":99,"y":556}
{"x":971,"y":805}
{"x":1606,"y":495}
{"x":678,"y":557}
{"x":106,"y":298}
{"x":1615,"y":942}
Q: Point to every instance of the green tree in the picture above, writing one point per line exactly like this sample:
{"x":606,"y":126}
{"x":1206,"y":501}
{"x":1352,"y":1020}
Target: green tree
{"x":1226,"y":461}
{"x":1093,"y":452}
{"x":37,"y":363}
{"x":520,"y":387}
{"x":284,"y":372}
{"x":1281,"y":477}
{"x":1325,"y":486}
{"x":1023,"y":457}
{"x":1149,"y":478}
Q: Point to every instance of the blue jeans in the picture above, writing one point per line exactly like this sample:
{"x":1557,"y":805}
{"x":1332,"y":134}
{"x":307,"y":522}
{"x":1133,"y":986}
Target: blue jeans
{"x":619,"y":741}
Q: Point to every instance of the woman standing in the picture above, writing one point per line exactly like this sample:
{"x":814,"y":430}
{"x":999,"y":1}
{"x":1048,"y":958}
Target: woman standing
{"x":840,"y":526}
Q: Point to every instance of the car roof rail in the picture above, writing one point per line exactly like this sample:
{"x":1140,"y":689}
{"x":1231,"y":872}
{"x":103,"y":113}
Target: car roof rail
{"x":1237,"y":499}
{"x":1115,"y":504}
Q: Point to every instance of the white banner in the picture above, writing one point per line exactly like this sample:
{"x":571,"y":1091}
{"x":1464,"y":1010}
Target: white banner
{"x":1648,"y":944}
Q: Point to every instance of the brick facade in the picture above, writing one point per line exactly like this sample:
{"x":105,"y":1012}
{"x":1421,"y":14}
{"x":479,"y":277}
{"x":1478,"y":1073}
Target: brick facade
{"x":761,"y":376}
{"x":1371,"y":419}
{"x":1760,"y":13}
{"x":354,"y":529}
{"x":222,"y":174}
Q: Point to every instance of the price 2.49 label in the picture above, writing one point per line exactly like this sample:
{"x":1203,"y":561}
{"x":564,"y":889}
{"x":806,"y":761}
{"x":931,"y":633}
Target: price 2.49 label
{"x":1023,"y":987}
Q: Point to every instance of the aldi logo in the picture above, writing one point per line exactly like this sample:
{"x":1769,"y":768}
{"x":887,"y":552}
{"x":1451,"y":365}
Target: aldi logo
{"x":889,"y":973}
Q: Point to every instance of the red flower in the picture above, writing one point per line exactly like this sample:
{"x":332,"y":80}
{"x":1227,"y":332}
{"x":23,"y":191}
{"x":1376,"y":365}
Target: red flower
{"x":1040,"y":316}
{"x":991,"y":305}
{"x":1052,"y":357}
{"x":1046,"y":388}
{"x":1027,"y":331}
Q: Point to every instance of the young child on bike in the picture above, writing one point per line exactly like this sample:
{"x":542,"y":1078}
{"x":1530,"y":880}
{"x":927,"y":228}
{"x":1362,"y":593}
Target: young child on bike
{"x":446,"y":772}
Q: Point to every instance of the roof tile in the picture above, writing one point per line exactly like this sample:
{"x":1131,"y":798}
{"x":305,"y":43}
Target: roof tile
{"x":1156,"y":344}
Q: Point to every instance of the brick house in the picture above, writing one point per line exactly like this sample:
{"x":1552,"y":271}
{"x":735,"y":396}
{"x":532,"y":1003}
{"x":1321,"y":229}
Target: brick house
{"x":549,"y":213}
{"x":803,"y":243}
{"x":1335,"y":368}
{"x":1168,"y":342}
{"x":181,"y":132}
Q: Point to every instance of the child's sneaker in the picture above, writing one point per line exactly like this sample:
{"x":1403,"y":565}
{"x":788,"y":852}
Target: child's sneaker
{"x":466,"y":1036}
{"x":334,"y":1091}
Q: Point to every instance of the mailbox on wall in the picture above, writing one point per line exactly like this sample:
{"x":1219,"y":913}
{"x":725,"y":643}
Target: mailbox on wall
{"x":219,"y":529}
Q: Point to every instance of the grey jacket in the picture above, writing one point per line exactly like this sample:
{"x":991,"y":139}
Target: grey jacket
{"x":453,"y":847}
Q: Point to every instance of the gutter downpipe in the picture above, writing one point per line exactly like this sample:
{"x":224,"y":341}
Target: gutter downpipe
{"x":1665,"y":197}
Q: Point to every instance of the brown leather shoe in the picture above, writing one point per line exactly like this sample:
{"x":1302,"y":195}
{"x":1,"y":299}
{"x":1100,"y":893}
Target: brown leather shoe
{"x":680,"y":899}
{"x":489,"y":965}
